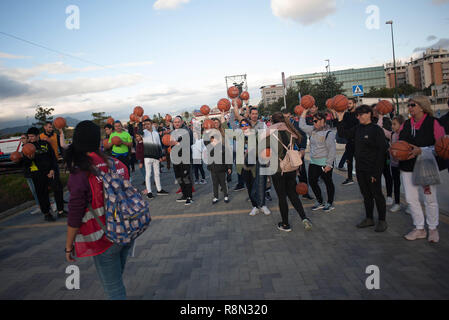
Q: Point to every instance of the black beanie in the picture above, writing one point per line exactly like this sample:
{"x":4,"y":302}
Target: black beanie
{"x":86,"y":137}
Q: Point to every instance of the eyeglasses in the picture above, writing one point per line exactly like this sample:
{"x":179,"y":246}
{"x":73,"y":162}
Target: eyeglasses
{"x":411,"y":105}
{"x":315,"y":121}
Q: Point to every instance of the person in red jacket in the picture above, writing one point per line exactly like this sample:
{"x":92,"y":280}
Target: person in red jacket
{"x":85,"y":236}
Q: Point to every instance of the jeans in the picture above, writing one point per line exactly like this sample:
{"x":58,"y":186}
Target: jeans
{"x":258,"y":188}
{"x":33,"y":190}
{"x":110,"y":266}
{"x":198,"y":167}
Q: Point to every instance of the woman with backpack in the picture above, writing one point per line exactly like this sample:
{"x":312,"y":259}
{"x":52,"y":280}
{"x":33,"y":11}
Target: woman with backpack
{"x":85,"y":236}
{"x":285,"y":182}
{"x":322,"y":158}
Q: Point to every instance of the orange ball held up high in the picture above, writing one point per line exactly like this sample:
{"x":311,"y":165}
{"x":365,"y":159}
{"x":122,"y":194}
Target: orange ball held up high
{"x":244,"y":96}
{"x":307,"y":101}
{"x":205,"y":110}
{"x":138,"y":111}
{"x":384,"y":107}
{"x":233,"y":92}
{"x":110,"y":121}
{"x":59,"y":123}
{"x":224,"y":105}
{"x":299,"y":110}
{"x":340,"y":103}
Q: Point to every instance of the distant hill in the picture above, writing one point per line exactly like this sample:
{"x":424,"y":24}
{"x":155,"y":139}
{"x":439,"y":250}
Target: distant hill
{"x":71,"y":122}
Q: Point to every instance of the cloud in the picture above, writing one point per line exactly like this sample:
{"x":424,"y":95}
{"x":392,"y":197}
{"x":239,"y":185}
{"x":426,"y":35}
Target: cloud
{"x":4,"y":55}
{"x":442,"y":43}
{"x":431,"y":38}
{"x":168,"y":4}
{"x":306,"y":12}
{"x":11,"y":88}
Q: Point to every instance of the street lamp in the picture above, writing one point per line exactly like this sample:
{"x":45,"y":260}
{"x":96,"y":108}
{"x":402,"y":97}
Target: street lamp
{"x":390,"y":22}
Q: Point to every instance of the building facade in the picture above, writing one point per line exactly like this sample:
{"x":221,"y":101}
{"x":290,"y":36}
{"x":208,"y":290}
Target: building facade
{"x":272,"y":93}
{"x":431,"y":69}
{"x":371,"y":77}
{"x":401,"y":73}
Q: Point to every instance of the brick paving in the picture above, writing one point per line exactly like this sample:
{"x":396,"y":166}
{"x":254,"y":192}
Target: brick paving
{"x":220,"y":252}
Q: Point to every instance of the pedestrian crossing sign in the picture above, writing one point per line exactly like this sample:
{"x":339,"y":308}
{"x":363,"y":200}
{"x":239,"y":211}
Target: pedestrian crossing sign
{"x":357,"y":90}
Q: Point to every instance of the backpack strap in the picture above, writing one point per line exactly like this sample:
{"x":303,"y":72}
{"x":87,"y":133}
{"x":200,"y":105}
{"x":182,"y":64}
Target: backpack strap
{"x":282,"y":143}
{"x":103,"y":227}
{"x":327,"y":134}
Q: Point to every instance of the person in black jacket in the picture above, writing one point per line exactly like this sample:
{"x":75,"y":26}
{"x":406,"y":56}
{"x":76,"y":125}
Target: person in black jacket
{"x":370,"y":147}
{"x":444,"y":120}
{"x":42,"y":168}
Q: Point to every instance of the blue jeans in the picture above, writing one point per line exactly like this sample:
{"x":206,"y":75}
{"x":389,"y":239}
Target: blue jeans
{"x":258,"y":189}
{"x":110,"y":266}
{"x":33,"y":190}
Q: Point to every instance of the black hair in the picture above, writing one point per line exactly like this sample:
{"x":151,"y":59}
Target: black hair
{"x":33,"y":130}
{"x":109,"y":126}
{"x":253,"y":108}
{"x":364,"y":109}
{"x":320,"y":115}
{"x":353,"y":100}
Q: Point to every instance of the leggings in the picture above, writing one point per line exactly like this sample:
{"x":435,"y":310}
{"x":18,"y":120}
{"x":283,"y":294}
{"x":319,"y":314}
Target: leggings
{"x":372,"y":192}
{"x":396,"y":173}
{"x":249,"y":181}
{"x":315,"y":172}
{"x":183,"y":174}
{"x":388,"y":178}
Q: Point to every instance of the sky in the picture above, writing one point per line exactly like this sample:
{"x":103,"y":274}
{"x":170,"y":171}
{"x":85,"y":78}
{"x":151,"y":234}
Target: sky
{"x":170,"y":56}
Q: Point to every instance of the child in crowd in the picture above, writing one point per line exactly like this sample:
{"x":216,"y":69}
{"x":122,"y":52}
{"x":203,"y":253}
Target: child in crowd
{"x":395,"y":172}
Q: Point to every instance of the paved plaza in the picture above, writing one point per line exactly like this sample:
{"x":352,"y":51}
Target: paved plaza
{"x":206,"y":251}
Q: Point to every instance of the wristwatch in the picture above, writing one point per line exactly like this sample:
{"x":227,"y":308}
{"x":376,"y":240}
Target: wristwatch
{"x":68,"y":251}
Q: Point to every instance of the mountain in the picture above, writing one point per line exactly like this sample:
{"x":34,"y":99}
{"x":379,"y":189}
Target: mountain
{"x":71,"y":122}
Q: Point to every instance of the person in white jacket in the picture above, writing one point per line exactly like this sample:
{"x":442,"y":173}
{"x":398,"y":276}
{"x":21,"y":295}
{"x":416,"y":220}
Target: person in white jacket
{"x":152,"y":150}
{"x":198,"y":151}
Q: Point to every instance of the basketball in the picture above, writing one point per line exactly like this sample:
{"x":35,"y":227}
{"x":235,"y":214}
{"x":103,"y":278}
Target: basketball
{"x":163,"y":159}
{"x":340,"y":103}
{"x":116,"y":140}
{"x":224,"y":105}
{"x":237,"y":103}
{"x":208,"y":124}
{"x":302,"y":188}
{"x":442,"y":147}
{"x":145,"y":118}
{"x":105,"y":142}
{"x":400,"y":150}
{"x":329,"y":103}
{"x":307,"y":102}
{"x":168,"y":117}
{"x":59,"y":123}
{"x":299,"y":110}
{"x":138,"y":111}
{"x":110,"y":121}
{"x":265,"y":153}
{"x":132,"y":117}
{"x":244,"y":96}
{"x":384,"y":107}
{"x":233,"y":92}
{"x":205,"y":110}
{"x":166,"y":140}
{"x":29,"y":150}
{"x":15,"y":156}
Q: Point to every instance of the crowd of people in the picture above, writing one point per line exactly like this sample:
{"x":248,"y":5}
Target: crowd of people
{"x":366,"y":133}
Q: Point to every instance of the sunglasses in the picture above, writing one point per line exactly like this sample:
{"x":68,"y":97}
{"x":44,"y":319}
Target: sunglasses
{"x":244,"y":125}
{"x":411,"y":105}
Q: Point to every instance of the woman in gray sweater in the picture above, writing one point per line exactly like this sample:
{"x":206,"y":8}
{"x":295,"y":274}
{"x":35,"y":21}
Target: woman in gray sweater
{"x":322,"y":158}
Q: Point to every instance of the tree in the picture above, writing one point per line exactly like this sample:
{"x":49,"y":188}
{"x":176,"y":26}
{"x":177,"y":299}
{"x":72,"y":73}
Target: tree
{"x":99,"y":118}
{"x":326,"y":88}
{"x":42,"y":115}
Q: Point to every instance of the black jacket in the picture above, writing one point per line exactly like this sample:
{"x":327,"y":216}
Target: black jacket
{"x":444,"y":121}
{"x":219,"y":167}
{"x":370,"y":147}
{"x":44,"y":159}
{"x":349,"y":123}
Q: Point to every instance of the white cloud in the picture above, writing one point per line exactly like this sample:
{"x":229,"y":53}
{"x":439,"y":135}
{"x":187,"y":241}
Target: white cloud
{"x":306,"y":12}
{"x":4,"y":55}
{"x":168,"y":4}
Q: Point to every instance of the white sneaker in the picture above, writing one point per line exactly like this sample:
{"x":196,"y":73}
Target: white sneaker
{"x":265,"y":210}
{"x":395,"y":208}
{"x":176,"y":181}
{"x":35,"y":211}
{"x":254,"y":211}
{"x":389,"y":201}
{"x":408,"y":210}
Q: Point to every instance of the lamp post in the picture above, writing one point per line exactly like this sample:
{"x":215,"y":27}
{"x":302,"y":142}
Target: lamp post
{"x":390,"y":22}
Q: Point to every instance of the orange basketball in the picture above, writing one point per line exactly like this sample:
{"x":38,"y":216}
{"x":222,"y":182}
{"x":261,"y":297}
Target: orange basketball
{"x":105,"y":142}
{"x":400,"y":150}
{"x":237,"y":103}
{"x":442,"y":147}
{"x":208,"y":124}
{"x":302,"y":188}
{"x":244,"y":96}
{"x":384,"y":107}
{"x":110,"y":121}
{"x":224,"y":105}
{"x":29,"y":150}
{"x":168,"y":117}
{"x":307,"y":101}
{"x":59,"y":123}
{"x":233,"y":92}
{"x":166,"y":140}
{"x":299,"y":110}
{"x":205,"y":110}
{"x":265,"y":153}
{"x":145,"y":118}
{"x":340,"y":103}
{"x":132,"y":117}
{"x":116,"y":141}
{"x":329,"y":103}
{"x":138,"y":111}
{"x":15,"y":156}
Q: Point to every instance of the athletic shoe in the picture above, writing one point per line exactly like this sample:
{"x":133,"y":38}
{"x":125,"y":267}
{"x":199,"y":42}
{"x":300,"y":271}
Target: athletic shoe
{"x":189,"y":201}
{"x":48,"y":217}
{"x":254,"y":211}
{"x":203,"y":181}
{"x":150,"y":195}
{"x":348,"y":182}
{"x":268,"y":196}
{"x":179,"y":190}
{"x":367,"y":222}
{"x":416,"y":234}
{"x":197,"y":182}
{"x":226,"y":199}
{"x":395,"y":208}
{"x":62,"y":214}
{"x":214,"y":200}
{"x":389,"y":201}
{"x":342,"y":169}
{"x":176,"y":181}
{"x":284,"y":227}
{"x":239,"y":188}
{"x":35,"y":211}
{"x":328,"y":207}
{"x":408,"y":210}
{"x":265,"y":210}
{"x":381,"y":226}
{"x":307,"y":224}
{"x":182,"y":199}
{"x":434,"y":236}
{"x":162,"y":193}
{"x":308,"y":197}
{"x":317,"y":206}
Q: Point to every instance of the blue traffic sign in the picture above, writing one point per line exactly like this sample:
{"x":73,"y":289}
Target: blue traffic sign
{"x":357,"y":90}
